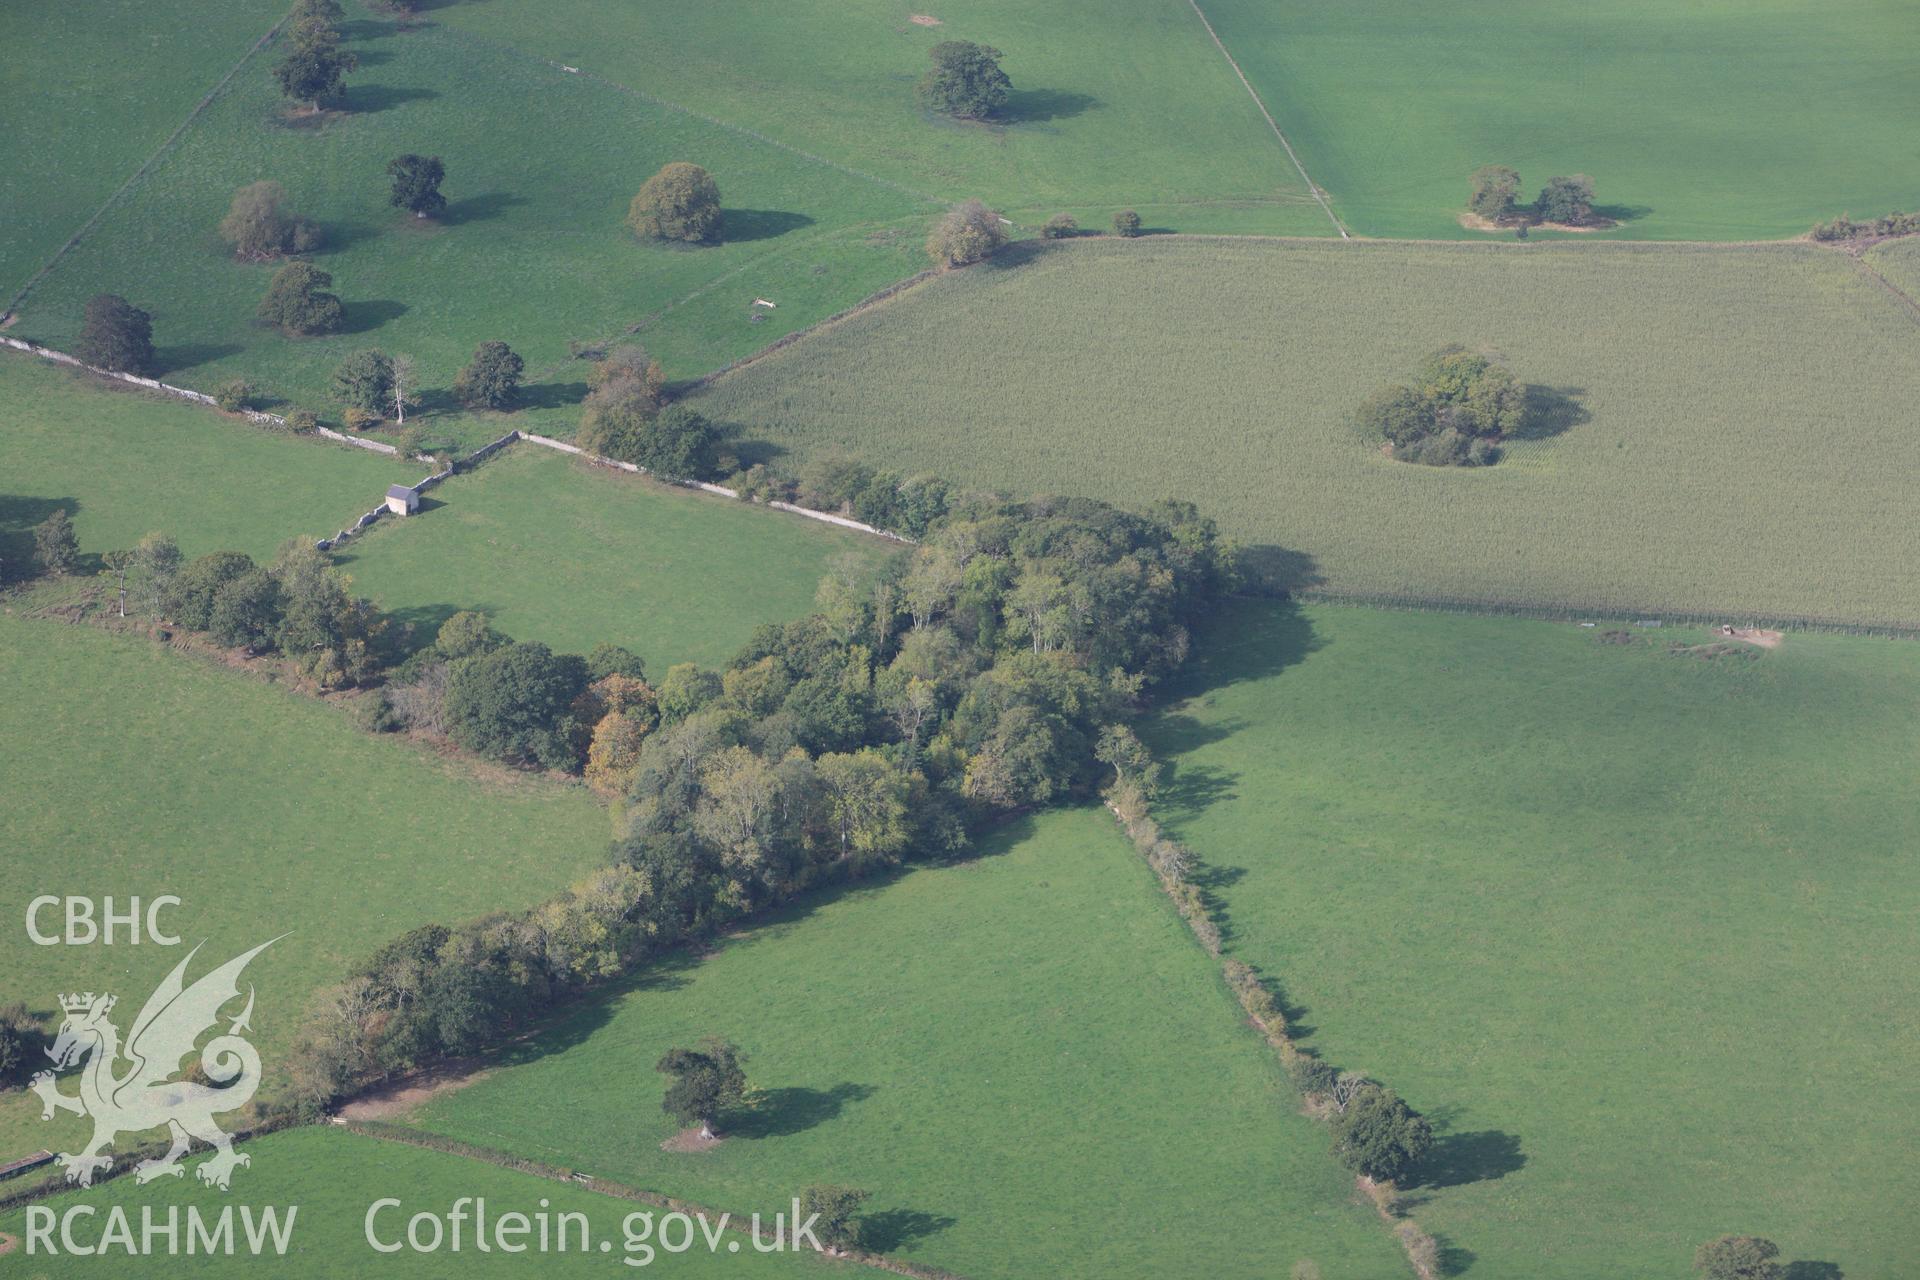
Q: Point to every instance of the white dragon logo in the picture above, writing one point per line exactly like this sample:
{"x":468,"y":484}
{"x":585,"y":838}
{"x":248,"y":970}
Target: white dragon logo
{"x":145,"y":1096}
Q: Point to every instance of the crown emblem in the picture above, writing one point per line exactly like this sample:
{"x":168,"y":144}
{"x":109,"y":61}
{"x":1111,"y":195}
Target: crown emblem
{"x":81,"y":1003}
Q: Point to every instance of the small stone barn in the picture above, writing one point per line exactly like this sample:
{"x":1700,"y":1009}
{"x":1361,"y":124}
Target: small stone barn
{"x":402,"y":501}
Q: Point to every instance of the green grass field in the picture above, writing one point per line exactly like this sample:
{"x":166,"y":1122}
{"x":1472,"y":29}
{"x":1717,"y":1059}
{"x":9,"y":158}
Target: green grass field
{"x":123,"y":462}
{"x":1621,"y":919}
{"x":1727,"y":429}
{"x":331,"y":1178}
{"x":533,"y":249}
{"x":1025,"y":1058}
{"x":1127,"y":106}
{"x":98,"y":88}
{"x":1716,"y":120}
{"x":572,"y":555}
{"x":133,"y":770}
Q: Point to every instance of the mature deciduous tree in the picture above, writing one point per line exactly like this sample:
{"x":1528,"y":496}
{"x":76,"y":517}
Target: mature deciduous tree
{"x":491,"y":379}
{"x":1494,"y":188}
{"x":707,"y":1080}
{"x":364,"y":381}
{"x":315,"y":67}
{"x":1739,"y":1258}
{"x":297,"y":301}
{"x":837,"y":1209}
{"x":416,"y":184}
{"x":115,"y":334}
{"x":965,"y":81}
{"x":55,"y":548}
{"x":1379,"y":1135}
{"x":968,"y":233}
{"x":259,"y":226}
{"x":681,"y":202}
{"x":1567,"y":200}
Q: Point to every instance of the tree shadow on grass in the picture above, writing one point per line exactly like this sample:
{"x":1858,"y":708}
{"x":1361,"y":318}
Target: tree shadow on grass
{"x":1807,"y":1270}
{"x":780,"y":1113}
{"x":737,"y":226}
{"x":895,"y":1229}
{"x":551,"y":395}
{"x":1276,"y":571}
{"x":1552,"y":411}
{"x":368,"y":314}
{"x":1621,"y":212}
{"x":1455,"y":1260}
{"x":1037,"y":106}
{"x":192,"y":355}
{"x":479,"y":208}
{"x":413,"y":627}
{"x":1457,"y":1159}
{"x":371,"y":99}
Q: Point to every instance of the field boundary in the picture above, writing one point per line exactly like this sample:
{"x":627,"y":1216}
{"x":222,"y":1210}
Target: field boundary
{"x":159,"y":153}
{"x":780,"y":344}
{"x":1312,"y":188}
{"x":717,"y":122}
{"x":1579,"y":613}
{"x":381,"y":1131}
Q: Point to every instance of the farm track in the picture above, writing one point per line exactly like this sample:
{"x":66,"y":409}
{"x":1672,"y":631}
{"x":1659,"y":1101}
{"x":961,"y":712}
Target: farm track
{"x":1319,"y":196}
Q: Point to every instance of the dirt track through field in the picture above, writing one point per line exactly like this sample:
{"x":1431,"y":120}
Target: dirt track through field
{"x":1319,"y":196}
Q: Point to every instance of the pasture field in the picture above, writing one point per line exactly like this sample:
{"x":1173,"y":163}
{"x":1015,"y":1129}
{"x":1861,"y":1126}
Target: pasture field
{"x":124,"y":462}
{"x":96,"y":89}
{"x":1717,"y":120}
{"x":533,"y":249}
{"x":132,"y":770}
{"x":1724,"y":428}
{"x":1129,"y":105}
{"x":1609,"y":913}
{"x":572,"y":555}
{"x":333,"y":1177}
{"x":1899,"y":262}
{"x":1024,"y":1057}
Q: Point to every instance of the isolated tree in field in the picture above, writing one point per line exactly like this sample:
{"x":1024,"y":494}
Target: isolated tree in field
{"x":681,"y":202}
{"x":837,"y":1209}
{"x":1739,"y":1258}
{"x":1566,"y":200}
{"x":1494,"y":188}
{"x":259,"y":226}
{"x":117,"y":335}
{"x":965,"y":81}
{"x":491,"y":379}
{"x":1126,"y":224}
{"x":416,"y":184}
{"x":297,"y":301}
{"x":54,"y":547}
{"x":364,"y":380}
{"x":1060,"y":226}
{"x":1380,"y":1136}
{"x":315,"y":67}
{"x":969,"y":233}
{"x":706,"y":1081}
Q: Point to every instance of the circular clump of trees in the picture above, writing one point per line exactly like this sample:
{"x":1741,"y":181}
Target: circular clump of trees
{"x":1455,"y":412}
{"x":681,"y":202}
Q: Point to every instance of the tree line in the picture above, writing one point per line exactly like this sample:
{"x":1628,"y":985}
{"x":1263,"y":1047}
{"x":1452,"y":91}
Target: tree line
{"x":989,"y":671}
